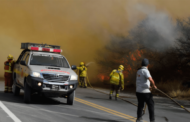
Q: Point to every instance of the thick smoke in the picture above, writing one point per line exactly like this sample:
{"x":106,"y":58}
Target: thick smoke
{"x":157,"y":31}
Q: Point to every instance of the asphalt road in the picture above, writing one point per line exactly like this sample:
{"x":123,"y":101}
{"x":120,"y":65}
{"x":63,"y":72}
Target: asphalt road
{"x":89,"y":106}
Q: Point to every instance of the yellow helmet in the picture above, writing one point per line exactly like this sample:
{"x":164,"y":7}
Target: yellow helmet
{"x":121,"y":67}
{"x":81,"y":63}
{"x":10,"y":56}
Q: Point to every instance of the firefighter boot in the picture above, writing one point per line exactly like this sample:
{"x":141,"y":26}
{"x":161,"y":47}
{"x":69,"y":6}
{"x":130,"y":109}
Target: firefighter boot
{"x":6,"y":89}
{"x":10,"y":90}
{"x":110,"y":97}
{"x":116,"y":96}
{"x":80,"y":85}
{"x":85,"y":86}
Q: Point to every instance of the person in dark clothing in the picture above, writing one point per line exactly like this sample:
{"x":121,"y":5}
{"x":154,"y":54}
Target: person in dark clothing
{"x":143,"y":92}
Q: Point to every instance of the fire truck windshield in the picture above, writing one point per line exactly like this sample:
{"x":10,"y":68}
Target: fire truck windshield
{"x":47,"y":60}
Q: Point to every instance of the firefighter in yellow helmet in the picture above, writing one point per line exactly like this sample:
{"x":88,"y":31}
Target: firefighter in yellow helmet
{"x":117,"y":81}
{"x":82,"y":75}
{"x":8,"y":68}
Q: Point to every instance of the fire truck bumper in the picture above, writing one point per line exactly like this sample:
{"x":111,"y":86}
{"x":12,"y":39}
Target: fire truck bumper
{"x":51,"y":89}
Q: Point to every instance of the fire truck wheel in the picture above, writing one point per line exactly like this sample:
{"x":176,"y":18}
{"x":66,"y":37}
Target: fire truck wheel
{"x":27,"y":93}
{"x":70,"y":98}
{"x":16,"y":89}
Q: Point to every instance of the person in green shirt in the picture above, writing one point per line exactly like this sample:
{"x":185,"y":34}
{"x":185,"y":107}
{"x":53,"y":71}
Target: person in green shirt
{"x":117,"y":81}
{"x":82,"y":75}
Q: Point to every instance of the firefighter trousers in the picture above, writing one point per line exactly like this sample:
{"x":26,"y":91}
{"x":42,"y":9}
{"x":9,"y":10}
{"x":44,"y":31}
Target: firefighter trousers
{"x":82,"y":82}
{"x":115,"y":88}
{"x":8,"y":82}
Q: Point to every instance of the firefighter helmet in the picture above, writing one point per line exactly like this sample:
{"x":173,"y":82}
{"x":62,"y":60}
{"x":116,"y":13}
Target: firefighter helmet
{"x":10,"y":56}
{"x":121,"y":67}
{"x":81,"y":63}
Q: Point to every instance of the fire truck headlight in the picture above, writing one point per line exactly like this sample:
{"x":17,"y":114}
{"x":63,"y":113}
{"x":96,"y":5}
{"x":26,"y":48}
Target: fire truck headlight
{"x":71,"y":86}
{"x":73,"y":77}
{"x":36,"y":74}
{"x":39,"y":84}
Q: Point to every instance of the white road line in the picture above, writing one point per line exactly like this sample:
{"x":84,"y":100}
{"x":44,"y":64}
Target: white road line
{"x":45,"y":110}
{"x":15,"y":119}
{"x":59,"y":113}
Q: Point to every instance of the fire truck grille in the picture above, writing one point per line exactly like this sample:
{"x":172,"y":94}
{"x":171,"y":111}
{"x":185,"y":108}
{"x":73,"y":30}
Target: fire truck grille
{"x":55,"y":78}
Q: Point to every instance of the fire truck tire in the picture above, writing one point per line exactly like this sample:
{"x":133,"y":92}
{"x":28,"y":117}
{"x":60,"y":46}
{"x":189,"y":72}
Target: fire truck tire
{"x":27,"y":93}
{"x":70,"y":98}
{"x":16,"y":89}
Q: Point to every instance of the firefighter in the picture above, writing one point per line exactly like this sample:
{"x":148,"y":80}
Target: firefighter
{"x":117,"y":81}
{"x":82,"y":75}
{"x":8,"y":68}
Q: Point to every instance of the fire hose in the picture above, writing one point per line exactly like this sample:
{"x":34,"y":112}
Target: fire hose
{"x":172,"y":100}
{"x":169,"y":98}
{"x":108,"y":94}
{"x":144,"y":110}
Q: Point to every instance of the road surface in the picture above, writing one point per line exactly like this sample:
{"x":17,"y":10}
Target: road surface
{"x":89,"y":106}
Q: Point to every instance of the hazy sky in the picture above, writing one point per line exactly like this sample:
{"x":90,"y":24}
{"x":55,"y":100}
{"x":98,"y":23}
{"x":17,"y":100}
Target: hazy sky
{"x":80,"y":27}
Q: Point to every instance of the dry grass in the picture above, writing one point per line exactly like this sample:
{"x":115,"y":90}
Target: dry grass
{"x":179,"y":94}
{"x":169,"y":86}
{"x":174,"y":89}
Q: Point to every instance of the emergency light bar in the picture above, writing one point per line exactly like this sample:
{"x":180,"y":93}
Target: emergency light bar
{"x":45,"y":49}
{"x":41,"y":47}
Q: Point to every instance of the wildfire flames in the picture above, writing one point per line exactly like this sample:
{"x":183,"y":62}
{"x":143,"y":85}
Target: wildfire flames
{"x":103,"y":77}
{"x":129,"y":62}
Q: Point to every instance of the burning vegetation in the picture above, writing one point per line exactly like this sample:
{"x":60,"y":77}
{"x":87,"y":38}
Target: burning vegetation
{"x":168,"y":53}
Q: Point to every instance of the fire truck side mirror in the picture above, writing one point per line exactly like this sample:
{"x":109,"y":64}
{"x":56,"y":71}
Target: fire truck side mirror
{"x":23,"y":63}
{"x":73,"y":67}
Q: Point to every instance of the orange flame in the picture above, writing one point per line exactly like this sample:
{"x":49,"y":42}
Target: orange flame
{"x":130,"y":63}
{"x":103,"y":77}
{"x":133,"y":58}
{"x":139,"y":53}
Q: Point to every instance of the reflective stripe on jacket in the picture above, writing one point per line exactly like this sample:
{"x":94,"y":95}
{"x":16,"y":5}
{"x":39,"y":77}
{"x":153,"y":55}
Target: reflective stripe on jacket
{"x":82,"y":71}
{"x":8,"y":66}
{"x":117,"y":77}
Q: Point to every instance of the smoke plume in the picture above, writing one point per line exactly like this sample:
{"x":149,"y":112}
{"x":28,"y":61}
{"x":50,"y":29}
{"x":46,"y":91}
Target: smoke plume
{"x":157,"y":31}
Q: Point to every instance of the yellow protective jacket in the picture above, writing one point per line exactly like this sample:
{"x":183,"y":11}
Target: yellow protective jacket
{"x":117,"y":78}
{"x":82,"y":71}
{"x":8,"y":66}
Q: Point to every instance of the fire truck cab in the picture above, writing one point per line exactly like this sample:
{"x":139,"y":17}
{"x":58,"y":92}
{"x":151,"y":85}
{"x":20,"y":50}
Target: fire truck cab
{"x":41,"y":69}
